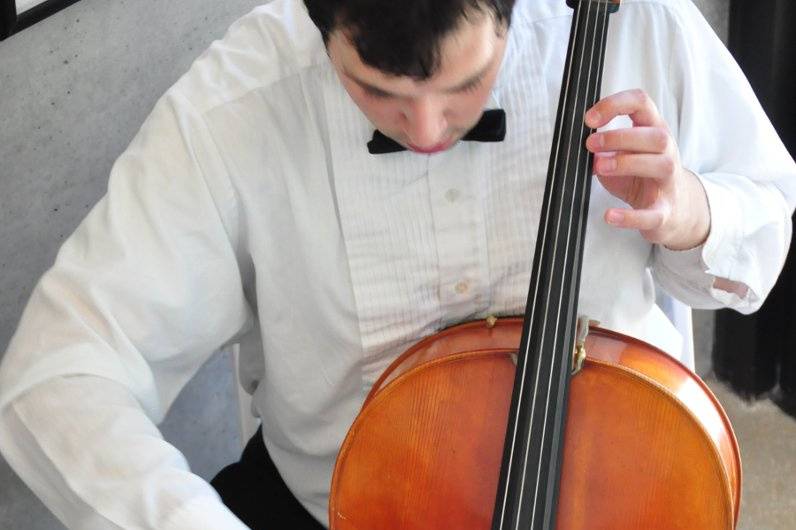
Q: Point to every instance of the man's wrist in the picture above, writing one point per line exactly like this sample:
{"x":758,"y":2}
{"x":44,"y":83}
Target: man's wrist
{"x":696,"y":226}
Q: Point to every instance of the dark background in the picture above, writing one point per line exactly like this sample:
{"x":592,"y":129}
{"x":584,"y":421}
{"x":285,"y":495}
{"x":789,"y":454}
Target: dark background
{"x":756,"y":354}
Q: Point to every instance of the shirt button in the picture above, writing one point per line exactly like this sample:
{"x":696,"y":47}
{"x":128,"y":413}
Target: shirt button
{"x":461,"y":287}
{"x":452,"y":194}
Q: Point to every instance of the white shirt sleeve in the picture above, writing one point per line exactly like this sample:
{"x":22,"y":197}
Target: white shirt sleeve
{"x":140,"y":296}
{"x":86,"y":448}
{"x":726,"y":139}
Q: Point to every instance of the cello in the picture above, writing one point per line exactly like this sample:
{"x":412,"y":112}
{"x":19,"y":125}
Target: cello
{"x":576,"y":428}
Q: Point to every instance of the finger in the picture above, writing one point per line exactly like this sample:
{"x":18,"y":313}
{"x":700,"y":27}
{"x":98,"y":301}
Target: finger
{"x":644,"y":220}
{"x":636,"y":139}
{"x":658,"y":167}
{"x":633,"y":103}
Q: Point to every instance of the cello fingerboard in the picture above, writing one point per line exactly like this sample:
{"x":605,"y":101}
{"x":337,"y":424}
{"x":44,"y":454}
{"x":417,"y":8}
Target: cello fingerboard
{"x":528,"y":486}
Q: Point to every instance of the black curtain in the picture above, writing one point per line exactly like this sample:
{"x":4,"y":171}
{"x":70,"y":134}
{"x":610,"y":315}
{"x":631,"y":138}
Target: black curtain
{"x":756,"y":354}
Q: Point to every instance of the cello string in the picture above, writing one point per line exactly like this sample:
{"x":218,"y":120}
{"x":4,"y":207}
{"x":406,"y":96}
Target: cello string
{"x":582,"y":218}
{"x":576,"y":117}
{"x":571,"y":271}
{"x":566,"y":247}
{"x":538,"y":261}
{"x":591,"y":96}
{"x":544,"y":248}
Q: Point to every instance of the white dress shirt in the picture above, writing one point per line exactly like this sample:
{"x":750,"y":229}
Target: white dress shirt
{"x":248,"y":209}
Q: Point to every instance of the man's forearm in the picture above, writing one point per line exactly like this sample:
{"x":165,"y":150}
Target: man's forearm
{"x":84,"y":446}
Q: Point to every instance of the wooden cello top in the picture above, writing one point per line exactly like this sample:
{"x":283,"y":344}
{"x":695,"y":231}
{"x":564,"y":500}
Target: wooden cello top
{"x":415,"y":446}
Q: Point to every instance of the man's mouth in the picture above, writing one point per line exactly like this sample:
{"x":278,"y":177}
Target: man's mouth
{"x":442,"y":146}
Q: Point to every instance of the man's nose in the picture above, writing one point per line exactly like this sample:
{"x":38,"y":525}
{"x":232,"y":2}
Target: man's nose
{"x":425,"y":123}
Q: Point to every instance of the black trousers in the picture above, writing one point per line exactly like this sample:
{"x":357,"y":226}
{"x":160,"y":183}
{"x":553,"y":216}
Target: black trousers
{"x":253,"y":489}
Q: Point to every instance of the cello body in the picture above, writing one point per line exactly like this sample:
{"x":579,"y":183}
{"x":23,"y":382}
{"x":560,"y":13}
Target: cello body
{"x":647,"y":445}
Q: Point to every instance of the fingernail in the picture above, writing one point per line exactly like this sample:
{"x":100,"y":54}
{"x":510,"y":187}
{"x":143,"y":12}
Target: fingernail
{"x":595,"y":141}
{"x":614,"y":217}
{"x":592,"y":117}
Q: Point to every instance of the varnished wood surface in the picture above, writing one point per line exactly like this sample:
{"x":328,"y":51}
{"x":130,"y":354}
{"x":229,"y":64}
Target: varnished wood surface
{"x":647,"y":445}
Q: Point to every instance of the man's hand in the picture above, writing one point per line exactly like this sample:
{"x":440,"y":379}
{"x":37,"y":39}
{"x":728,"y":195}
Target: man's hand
{"x":641,"y":166}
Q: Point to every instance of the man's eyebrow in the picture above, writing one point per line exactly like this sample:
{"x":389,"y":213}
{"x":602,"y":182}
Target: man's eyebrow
{"x":458,"y":88}
{"x":473,"y":79}
{"x":366,"y":85}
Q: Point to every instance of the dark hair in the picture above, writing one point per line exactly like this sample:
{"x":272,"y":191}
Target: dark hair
{"x":402,"y":37}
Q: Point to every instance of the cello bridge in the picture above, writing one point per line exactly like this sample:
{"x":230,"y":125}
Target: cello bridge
{"x":579,"y":351}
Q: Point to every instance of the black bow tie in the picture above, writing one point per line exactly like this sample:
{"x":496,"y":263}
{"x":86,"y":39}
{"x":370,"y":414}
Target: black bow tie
{"x":490,"y":128}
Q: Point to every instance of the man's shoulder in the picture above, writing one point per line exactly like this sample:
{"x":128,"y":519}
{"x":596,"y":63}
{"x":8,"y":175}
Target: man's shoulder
{"x":273,"y":42}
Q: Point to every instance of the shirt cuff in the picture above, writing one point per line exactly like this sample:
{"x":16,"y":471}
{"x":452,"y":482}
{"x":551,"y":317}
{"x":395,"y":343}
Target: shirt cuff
{"x":726,"y":219}
{"x":687,"y":265}
{"x":700,"y":267}
{"x":204,"y":513}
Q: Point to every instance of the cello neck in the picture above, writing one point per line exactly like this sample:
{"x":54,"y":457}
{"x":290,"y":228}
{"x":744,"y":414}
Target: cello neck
{"x":530,"y":472}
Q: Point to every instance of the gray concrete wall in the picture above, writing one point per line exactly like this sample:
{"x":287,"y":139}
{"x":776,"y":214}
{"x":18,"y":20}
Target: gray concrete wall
{"x":73,"y":91}
{"x":717,"y":13}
